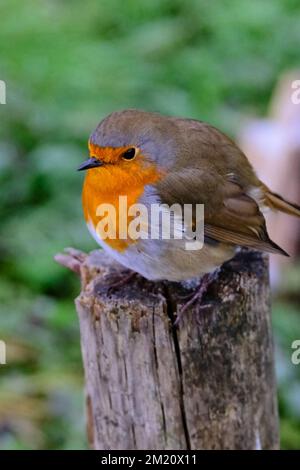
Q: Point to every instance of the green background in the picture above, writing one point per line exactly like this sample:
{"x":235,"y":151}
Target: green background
{"x":66,"y":65}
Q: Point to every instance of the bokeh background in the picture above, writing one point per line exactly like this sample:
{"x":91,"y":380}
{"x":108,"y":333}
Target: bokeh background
{"x":66,"y":65}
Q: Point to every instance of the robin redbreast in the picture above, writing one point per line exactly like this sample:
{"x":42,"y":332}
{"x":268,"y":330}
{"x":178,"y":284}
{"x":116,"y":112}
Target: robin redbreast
{"x":156,"y":159}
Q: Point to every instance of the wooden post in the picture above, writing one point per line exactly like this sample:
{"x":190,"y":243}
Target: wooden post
{"x":206,"y":385}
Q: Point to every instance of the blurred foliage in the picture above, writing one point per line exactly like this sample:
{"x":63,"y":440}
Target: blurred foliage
{"x":66,"y":65}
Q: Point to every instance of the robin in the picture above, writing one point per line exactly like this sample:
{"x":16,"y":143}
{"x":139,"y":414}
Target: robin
{"x":153,"y":159}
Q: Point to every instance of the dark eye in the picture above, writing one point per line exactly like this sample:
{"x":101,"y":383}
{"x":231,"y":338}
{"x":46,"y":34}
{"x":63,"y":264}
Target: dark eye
{"x":129,"y":154}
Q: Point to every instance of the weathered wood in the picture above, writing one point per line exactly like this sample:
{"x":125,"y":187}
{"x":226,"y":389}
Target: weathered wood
{"x":206,"y":385}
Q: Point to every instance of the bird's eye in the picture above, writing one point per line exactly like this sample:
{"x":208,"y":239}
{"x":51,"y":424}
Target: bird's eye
{"x":129,"y":154}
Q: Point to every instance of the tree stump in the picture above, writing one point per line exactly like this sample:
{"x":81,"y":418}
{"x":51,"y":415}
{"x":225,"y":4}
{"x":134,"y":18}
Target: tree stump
{"x":208,"y":384}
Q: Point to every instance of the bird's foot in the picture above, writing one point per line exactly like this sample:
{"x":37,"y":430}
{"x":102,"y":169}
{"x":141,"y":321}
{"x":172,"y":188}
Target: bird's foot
{"x":121,"y":279}
{"x":197,"y":296}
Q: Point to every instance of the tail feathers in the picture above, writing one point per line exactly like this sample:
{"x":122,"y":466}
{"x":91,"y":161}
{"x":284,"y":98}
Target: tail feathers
{"x":276,"y":202}
{"x":274,"y":248}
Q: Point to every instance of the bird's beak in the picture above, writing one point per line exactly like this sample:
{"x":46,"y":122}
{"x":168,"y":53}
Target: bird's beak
{"x":90,"y":163}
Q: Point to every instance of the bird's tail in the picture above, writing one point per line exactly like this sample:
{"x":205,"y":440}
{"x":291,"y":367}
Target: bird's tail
{"x":276,"y":202}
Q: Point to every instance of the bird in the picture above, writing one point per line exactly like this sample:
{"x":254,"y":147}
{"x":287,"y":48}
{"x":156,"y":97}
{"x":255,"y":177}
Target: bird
{"x":151,"y":159}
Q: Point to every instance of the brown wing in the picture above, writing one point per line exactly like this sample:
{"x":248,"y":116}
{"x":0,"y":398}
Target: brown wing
{"x":230,"y":215}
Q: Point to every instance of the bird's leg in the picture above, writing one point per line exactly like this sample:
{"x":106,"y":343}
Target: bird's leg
{"x":197,"y":296}
{"x":122,"y":279}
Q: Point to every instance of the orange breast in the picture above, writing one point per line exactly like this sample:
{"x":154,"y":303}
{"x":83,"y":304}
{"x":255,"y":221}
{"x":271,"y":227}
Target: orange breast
{"x":105,"y":185}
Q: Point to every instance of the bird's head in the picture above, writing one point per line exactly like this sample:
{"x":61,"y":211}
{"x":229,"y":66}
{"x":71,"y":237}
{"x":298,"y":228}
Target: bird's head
{"x":130,"y":147}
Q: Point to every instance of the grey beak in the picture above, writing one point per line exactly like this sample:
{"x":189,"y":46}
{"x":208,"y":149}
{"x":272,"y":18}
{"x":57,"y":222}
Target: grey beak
{"x":90,"y":163}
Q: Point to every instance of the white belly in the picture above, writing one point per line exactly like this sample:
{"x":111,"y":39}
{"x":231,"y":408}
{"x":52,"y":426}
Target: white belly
{"x":168,"y":259}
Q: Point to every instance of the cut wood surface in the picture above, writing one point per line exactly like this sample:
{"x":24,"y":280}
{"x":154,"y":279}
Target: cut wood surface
{"x":208,"y":384}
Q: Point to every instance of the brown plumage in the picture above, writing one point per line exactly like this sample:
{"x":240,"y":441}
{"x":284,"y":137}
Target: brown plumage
{"x":193,"y":163}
